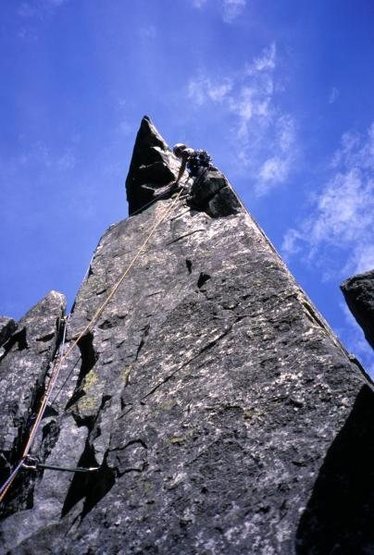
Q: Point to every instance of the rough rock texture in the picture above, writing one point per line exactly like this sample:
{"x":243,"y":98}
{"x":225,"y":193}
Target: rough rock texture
{"x":223,"y":414}
{"x":359,"y":295}
{"x":7,"y":327}
{"x":25,"y":361}
{"x":152,"y":170}
{"x":212,"y":194}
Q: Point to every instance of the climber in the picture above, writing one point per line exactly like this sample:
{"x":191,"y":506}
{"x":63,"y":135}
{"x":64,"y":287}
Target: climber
{"x":197,"y":162}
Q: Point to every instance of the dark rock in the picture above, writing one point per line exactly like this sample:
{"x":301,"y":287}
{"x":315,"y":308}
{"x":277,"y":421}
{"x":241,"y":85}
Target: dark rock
{"x":212,"y":193}
{"x":216,"y":402}
{"x":27,"y":355}
{"x":153,"y":168}
{"x":358,"y":292}
{"x":336,"y":517}
{"x":7,"y":327}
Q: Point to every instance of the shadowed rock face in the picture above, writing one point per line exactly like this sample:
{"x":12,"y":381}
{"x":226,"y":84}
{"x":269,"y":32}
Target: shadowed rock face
{"x":25,"y":355}
{"x":336,"y":518}
{"x":359,"y":295}
{"x":215,"y":401}
{"x":153,"y":168}
{"x":7,"y":327}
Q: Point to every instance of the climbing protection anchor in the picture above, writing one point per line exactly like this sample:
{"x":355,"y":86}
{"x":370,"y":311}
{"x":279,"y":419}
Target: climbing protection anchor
{"x":32,"y":463}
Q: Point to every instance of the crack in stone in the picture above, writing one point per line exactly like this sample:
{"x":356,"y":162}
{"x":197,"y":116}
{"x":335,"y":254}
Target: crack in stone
{"x":203,"y":350}
{"x":142,"y":341}
{"x":184,"y":236}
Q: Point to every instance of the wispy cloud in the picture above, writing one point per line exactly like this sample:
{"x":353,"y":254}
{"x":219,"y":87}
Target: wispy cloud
{"x":264,"y":136}
{"x":266,"y":61}
{"x":333,"y":95}
{"x":147,"y":32}
{"x":272,"y":170}
{"x":230,"y":9}
{"x":204,"y":88}
{"x":198,"y":3}
{"x":276,"y":169}
{"x":340,"y":226}
{"x":38,"y":8}
{"x":40,"y":155}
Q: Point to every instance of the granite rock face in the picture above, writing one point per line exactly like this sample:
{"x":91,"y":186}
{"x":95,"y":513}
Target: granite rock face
{"x":359,"y":295}
{"x":220,"y":410}
{"x":26,"y":356}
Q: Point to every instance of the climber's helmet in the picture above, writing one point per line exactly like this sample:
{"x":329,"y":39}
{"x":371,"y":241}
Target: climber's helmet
{"x":179,"y":149}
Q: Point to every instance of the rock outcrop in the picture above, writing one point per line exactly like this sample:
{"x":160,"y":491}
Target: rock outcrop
{"x":26,"y":356}
{"x":220,"y":410}
{"x":359,"y":295}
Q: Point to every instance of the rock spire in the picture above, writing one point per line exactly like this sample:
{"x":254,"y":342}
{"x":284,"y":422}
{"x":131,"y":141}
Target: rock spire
{"x":222,"y":413}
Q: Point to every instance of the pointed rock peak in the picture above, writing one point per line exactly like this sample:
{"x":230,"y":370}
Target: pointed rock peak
{"x":156,"y":173}
{"x":153,"y":168}
{"x":52,"y":302}
{"x":149,"y":136}
{"x":43,"y":318}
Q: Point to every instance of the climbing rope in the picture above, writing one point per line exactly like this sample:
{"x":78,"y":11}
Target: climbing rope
{"x":182,"y":194}
{"x":61,"y":359}
{"x":155,"y":199}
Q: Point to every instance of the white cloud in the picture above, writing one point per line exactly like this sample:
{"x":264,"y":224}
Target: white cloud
{"x":264,"y":62}
{"x":273,"y":169}
{"x":251,"y":101}
{"x":198,"y":3}
{"x":355,"y":151}
{"x":219,"y":91}
{"x":26,"y":10}
{"x":38,"y":8}
{"x":264,"y":136}
{"x":333,"y":95}
{"x":196,"y":91}
{"x":291,"y":242}
{"x":363,"y":258}
{"x":286,"y":133}
{"x":276,"y":169}
{"x":147,"y":32}
{"x":124,"y":116}
{"x":40,"y":155}
{"x":342,"y":209}
{"x":341,"y":224}
{"x":232,"y":9}
{"x":67,"y":161}
{"x":203,"y":89}
{"x":27,"y":33}
{"x":125,"y":128}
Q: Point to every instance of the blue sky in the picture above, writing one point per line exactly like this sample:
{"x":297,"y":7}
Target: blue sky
{"x":279,"y":93}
